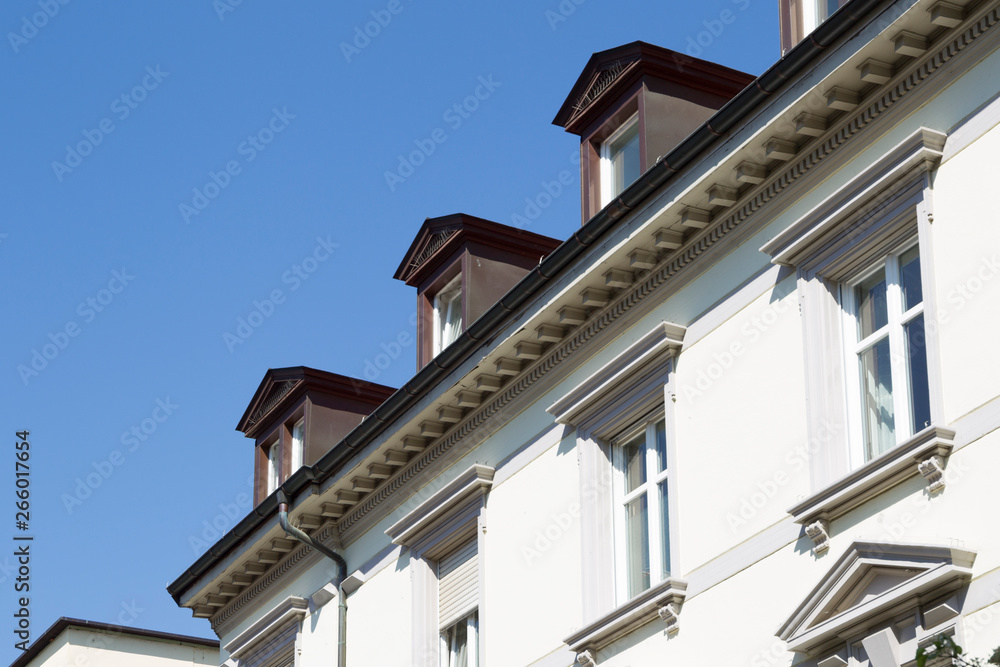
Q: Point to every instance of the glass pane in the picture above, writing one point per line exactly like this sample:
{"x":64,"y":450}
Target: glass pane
{"x":450,"y":305}
{"x":661,"y":445}
{"x":635,"y":463}
{"x":916,"y":351}
{"x":664,"y":532}
{"x":459,"y":645}
{"x":625,"y":159}
{"x":909,"y":277}
{"x":876,"y":399}
{"x":637,"y":545}
{"x":872,"y":311}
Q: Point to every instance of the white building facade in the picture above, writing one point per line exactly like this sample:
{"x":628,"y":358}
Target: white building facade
{"x":747,"y":414}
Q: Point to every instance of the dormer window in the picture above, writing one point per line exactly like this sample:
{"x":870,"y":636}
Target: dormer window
{"x":620,"y":161}
{"x":297,"y":415}
{"x":448,"y":314}
{"x":634,"y":104}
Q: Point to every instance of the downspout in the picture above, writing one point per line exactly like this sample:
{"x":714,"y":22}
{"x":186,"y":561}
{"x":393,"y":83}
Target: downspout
{"x":297,"y":534}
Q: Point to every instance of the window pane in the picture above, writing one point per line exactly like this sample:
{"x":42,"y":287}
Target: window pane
{"x":872,"y":311}
{"x":909,"y":275}
{"x":664,"y":532}
{"x":637,"y":545}
{"x":661,"y":445}
{"x":635,"y":463}
{"x":876,"y":398}
{"x":916,"y":351}
{"x":625,"y":159}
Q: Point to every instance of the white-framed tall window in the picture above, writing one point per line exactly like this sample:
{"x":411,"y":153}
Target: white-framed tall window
{"x":460,"y":643}
{"x":447,"y":314}
{"x":886,"y":355}
{"x":620,"y":160}
{"x":273,"y":467}
{"x":641,"y":508}
{"x":298,"y":446}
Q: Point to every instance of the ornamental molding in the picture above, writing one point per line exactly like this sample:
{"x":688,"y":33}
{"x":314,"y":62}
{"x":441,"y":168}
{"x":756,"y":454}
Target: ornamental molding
{"x":677,"y":268}
{"x":272,"y":634}
{"x":873,"y":582}
{"x":632,"y":302}
{"x":223,"y":621}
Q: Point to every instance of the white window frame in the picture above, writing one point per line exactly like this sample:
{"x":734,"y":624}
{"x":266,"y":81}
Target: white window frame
{"x":874,"y":214}
{"x":607,"y":171}
{"x":452,"y":289}
{"x":442,"y":523}
{"x":895,"y":329}
{"x":298,"y":445}
{"x":654,"y":511}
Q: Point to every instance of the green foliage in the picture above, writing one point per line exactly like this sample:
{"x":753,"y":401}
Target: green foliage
{"x":944,"y":647}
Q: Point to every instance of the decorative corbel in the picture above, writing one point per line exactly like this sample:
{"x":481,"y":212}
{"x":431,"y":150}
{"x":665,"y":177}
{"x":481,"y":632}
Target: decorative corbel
{"x":670,"y":614}
{"x":586,"y":659}
{"x":818,"y":533}
{"x":933,"y":471}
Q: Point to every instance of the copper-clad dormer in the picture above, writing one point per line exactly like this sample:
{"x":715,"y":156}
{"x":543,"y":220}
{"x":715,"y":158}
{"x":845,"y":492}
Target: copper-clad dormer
{"x":633,"y":104}
{"x":297,"y":415}
{"x":461,"y":265}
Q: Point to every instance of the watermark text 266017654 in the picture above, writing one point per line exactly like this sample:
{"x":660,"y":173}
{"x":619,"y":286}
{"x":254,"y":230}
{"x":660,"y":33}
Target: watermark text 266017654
{"x":22,"y":542}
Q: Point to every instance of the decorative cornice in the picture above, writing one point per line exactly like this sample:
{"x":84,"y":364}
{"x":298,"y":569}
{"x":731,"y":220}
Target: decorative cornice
{"x":228,"y":614}
{"x":278,"y":392}
{"x":480,"y":424}
{"x":661,"y":601}
{"x":493,"y":413}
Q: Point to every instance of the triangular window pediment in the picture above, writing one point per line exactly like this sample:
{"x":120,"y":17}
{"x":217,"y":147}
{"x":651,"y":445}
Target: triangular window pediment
{"x":869,"y":584}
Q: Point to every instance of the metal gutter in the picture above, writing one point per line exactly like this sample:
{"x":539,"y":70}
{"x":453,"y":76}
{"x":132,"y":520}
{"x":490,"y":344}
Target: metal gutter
{"x":732,"y":115}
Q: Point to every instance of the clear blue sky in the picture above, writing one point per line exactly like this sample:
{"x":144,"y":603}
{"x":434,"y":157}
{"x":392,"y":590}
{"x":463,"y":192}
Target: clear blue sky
{"x":169,"y":164}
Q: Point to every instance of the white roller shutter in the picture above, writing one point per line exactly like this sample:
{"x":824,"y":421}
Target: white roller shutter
{"x":458,"y":583}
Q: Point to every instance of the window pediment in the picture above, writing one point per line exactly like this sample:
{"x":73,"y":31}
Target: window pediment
{"x":272,"y":638}
{"x":635,"y":373}
{"x":870,"y":583}
{"x":871,"y":209}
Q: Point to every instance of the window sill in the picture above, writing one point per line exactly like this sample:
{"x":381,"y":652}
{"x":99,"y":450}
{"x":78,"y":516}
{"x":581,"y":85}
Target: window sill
{"x":923,"y":454}
{"x":662,"y":600}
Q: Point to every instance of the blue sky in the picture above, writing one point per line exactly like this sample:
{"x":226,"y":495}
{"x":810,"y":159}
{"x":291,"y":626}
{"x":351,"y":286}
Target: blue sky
{"x":173,"y":168}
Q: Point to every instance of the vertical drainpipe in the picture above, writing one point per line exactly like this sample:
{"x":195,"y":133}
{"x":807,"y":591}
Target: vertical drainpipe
{"x":297,"y":534}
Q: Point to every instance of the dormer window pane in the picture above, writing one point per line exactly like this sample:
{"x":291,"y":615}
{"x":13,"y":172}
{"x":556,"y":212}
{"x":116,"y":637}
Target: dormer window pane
{"x":620,"y":160}
{"x":297,"y":445}
{"x":447,"y":314}
{"x":272,"y":468}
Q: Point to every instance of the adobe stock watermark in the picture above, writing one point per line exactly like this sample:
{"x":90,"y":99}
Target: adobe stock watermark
{"x":30,"y":25}
{"x":560,"y":523}
{"x":562,"y":12}
{"x":132,"y":439}
{"x":87,"y":310}
{"x":723,"y":361}
{"x":248,"y":150}
{"x":122,"y":107}
{"x":229,"y":514}
{"x":363,"y":35}
{"x":223,"y":7}
{"x":391,"y":351}
{"x":263,"y":309}
{"x":548,"y":192}
{"x":455,"y":116}
{"x":714,"y":28}
{"x":796,"y":460}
